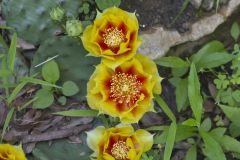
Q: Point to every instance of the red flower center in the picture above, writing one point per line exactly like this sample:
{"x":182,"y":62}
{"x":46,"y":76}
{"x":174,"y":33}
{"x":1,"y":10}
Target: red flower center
{"x":113,"y":37}
{"x":125,"y":88}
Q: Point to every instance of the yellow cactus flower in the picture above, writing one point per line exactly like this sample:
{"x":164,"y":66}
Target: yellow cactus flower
{"x":126,"y":91}
{"x":119,"y":143}
{"x":9,"y":152}
{"x":113,"y":36}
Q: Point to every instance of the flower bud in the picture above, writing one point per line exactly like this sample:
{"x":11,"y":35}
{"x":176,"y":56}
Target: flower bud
{"x":74,"y":28}
{"x":57,"y":13}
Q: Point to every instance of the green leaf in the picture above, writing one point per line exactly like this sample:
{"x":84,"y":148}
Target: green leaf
{"x":178,"y":72}
{"x":70,"y":88}
{"x":194,"y":93}
{"x":50,"y":72}
{"x":190,"y":122}
{"x":191,"y":153}
{"x":206,"y":124}
{"x":5,"y":73}
{"x":226,"y":96}
{"x":181,"y":93}
{"x":104,"y":4}
{"x":183,"y":132}
{"x":15,"y":92}
{"x":162,"y":138}
{"x":222,"y":82}
{"x":62,"y":100}
{"x":38,"y":81}
{"x":211,"y":47}
{"x":44,"y":99}
{"x":165,"y":107}
{"x":78,"y":113}
{"x":172,"y":62}
{"x":218,"y":133}
{"x":170,"y":141}
{"x":230,"y":144}
{"x":236,"y":95}
{"x":235,"y":31}
{"x":7,"y":121}
{"x":12,"y":52}
{"x":232,"y":113}
{"x":156,"y":128}
{"x":212,"y":60}
{"x":212,"y":148}
{"x":6,"y":27}
{"x":234,"y":129}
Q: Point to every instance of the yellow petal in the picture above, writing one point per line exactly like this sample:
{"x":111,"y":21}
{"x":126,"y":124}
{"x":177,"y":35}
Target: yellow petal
{"x":94,"y":137}
{"x":9,"y":152}
{"x":145,"y":138}
{"x":107,"y":156}
{"x":151,"y":68}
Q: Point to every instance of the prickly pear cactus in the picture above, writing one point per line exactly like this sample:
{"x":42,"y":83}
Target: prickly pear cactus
{"x":31,"y":18}
{"x":72,"y":60}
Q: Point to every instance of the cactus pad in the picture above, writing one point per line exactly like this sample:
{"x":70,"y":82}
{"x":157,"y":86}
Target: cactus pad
{"x":31,"y":18}
{"x":72,"y":60}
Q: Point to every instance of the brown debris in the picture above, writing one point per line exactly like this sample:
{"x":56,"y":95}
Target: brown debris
{"x":34,"y":126}
{"x":51,"y":135}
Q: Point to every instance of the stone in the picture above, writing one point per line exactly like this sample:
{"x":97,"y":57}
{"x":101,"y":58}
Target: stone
{"x":208,"y":5}
{"x":157,"y":40}
{"x":196,"y":3}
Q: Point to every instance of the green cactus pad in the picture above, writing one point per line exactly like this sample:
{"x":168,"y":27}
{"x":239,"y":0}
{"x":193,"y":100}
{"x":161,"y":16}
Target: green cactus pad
{"x":72,"y":60}
{"x":31,"y":18}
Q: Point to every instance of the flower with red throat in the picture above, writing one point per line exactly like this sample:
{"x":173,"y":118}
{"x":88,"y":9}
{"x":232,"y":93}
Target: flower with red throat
{"x":119,"y":143}
{"x":113,"y":36}
{"x":126,"y":91}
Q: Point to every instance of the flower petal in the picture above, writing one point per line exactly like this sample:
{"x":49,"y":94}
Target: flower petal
{"x":145,"y":138}
{"x":9,"y":152}
{"x":151,"y":68}
{"x":94,"y":137}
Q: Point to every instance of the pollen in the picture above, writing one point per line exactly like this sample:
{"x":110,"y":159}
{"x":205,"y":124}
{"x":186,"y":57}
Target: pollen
{"x":125,"y":88}
{"x":120,"y":150}
{"x":113,"y":37}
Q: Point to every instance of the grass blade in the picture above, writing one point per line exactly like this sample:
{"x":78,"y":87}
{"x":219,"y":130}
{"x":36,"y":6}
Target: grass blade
{"x":192,"y":153}
{"x":170,"y":141}
{"x":15,"y":92}
{"x":12,"y":52}
{"x":184,"y":6}
{"x":27,"y":103}
{"x":7,"y":121}
{"x":38,"y":81}
{"x":165,"y":107}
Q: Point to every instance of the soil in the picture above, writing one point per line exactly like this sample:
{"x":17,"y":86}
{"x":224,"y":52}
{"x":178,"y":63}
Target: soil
{"x":161,"y":12}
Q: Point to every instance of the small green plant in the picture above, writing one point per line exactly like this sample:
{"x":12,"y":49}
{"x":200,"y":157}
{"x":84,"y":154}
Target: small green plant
{"x":213,"y":142}
{"x":185,"y":78}
{"x":45,"y":96}
{"x":12,"y":84}
{"x":228,"y":82}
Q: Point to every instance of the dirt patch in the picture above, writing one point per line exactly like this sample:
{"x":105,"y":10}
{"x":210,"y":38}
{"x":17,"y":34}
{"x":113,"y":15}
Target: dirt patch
{"x":161,"y":12}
